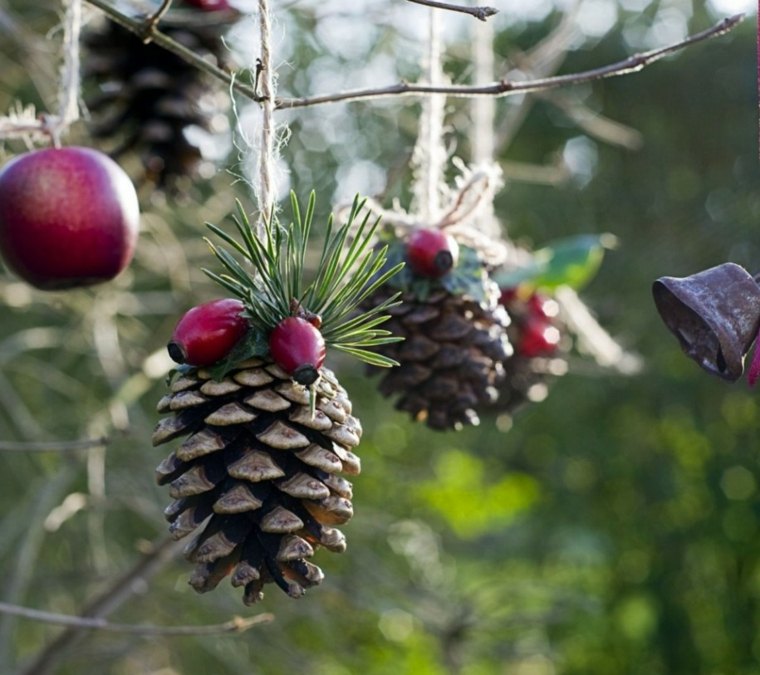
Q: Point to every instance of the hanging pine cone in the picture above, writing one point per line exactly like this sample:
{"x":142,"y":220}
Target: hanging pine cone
{"x":148,"y":99}
{"x":454,"y":330}
{"x":537,"y":334}
{"x":268,"y":428}
{"x":262,"y":469}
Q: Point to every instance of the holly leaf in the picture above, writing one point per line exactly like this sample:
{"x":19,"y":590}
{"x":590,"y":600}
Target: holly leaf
{"x":252,"y":345}
{"x":572,"y":261}
{"x":467,"y":277}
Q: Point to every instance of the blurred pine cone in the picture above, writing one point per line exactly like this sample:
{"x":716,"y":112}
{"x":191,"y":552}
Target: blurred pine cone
{"x":262,"y":470}
{"x":455,"y":339}
{"x":148,"y":99}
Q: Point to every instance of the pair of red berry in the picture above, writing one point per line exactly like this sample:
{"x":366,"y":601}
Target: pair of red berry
{"x":538,"y":336}
{"x":207,"y":334}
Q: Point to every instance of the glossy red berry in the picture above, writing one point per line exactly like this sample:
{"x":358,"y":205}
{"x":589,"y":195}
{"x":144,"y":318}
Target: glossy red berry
{"x":542,"y":306}
{"x":538,"y":337}
{"x":431,"y":253}
{"x":207,"y":333}
{"x":209,"y":5}
{"x":298,"y":348}
{"x":68,"y":217}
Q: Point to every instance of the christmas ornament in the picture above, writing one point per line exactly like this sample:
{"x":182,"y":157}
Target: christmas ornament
{"x":268,"y":429}
{"x":150,"y":101}
{"x":715,"y":314}
{"x":68,"y":217}
{"x":208,"y":332}
{"x":540,"y":352}
{"x":454,"y":329}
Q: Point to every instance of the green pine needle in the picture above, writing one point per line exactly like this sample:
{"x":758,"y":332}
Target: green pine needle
{"x":270,"y":278}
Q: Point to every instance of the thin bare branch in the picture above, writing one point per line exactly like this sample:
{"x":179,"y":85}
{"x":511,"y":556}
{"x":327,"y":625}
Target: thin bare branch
{"x":152,"y":21}
{"x":480,"y":13}
{"x":237,"y":624}
{"x":106,"y":602}
{"x":627,"y":66}
{"x":137,"y":26}
{"x":52,"y":446}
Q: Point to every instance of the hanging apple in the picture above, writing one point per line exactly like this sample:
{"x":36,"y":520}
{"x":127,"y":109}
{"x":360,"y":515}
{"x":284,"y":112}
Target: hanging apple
{"x":69,"y":217}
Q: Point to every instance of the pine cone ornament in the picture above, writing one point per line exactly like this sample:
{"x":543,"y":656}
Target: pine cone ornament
{"x":267,"y":427}
{"x":261,"y":470}
{"x":454,"y":330}
{"x":150,"y":101}
{"x":541,"y":346}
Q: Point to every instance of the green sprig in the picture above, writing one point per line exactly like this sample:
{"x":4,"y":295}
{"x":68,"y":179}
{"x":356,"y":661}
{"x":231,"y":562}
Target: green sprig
{"x":349,"y":270}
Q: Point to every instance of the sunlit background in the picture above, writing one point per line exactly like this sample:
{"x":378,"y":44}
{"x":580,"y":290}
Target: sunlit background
{"x":614,"y":528}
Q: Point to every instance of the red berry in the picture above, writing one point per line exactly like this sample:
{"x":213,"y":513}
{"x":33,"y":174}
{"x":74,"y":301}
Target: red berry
{"x":209,"y":5}
{"x":68,"y":217}
{"x":538,"y":337}
{"x":508,"y":295}
{"x":431,"y":253}
{"x":542,"y":306}
{"x":298,"y":348}
{"x":207,"y":333}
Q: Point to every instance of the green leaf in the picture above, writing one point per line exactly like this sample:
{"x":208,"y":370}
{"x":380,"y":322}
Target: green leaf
{"x":572,"y":261}
{"x":253,"y":344}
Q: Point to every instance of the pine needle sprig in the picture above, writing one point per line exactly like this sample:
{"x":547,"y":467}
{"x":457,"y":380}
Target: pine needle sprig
{"x":272,"y":285}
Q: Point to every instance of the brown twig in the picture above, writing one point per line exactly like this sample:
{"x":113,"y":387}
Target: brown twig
{"x":149,"y":27}
{"x":627,"y":66}
{"x":137,"y":26}
{"x":52,"y":446}
{"x":480,"y":13}
{"x":106,"y":602}
{"x":237,"y":624}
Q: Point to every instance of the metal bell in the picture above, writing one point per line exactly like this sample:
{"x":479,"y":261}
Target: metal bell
{"x":715,"y":315}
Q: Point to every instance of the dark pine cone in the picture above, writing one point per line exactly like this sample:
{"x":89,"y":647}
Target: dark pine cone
{"x":260,"y":471}
{"x":451,"y":358}
{"x":147,"y":98}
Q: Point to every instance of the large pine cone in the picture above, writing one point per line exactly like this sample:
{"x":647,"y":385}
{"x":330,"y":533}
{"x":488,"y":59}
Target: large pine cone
{"x":148,"y":99}
{"x":451,"y":359}
{"x":262,"y":470}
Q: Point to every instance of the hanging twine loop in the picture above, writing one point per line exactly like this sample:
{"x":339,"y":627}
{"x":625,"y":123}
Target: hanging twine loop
{"x":265,"y":188}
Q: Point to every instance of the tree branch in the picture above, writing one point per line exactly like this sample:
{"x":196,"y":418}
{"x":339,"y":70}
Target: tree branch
{"x":106,"y":602}
{"x":480,"y":13}
{"x":138,"y":27}
{"x":52,"y":446}
{"x":235,"y":625}
{"x":152,"y":21}
{"x":627,"y":66}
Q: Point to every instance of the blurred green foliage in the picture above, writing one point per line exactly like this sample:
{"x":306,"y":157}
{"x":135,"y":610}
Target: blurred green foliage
{"x":613,"y":529}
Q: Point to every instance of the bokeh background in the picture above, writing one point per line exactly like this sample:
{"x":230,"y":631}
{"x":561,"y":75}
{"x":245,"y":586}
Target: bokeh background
{"x":615,"y":528}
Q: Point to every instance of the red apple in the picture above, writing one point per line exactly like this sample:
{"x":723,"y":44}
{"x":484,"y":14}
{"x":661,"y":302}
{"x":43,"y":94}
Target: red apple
{"x":209,"y":5}
{"x":68,"y":217}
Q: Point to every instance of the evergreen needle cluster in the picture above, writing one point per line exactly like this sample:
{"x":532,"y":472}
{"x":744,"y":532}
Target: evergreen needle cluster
{"x":349,"y":270}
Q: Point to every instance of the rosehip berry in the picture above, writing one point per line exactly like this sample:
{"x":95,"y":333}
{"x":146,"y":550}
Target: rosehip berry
{"x":538,"y":337}
{"x":207,"y":333}
{"x":507,"y":295}
{"x":298,"y":348}
{"x":542,"y":306}
{"x":431,"y":253}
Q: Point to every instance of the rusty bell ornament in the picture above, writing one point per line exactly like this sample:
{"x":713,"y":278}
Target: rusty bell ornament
{"x":715,"y":314}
